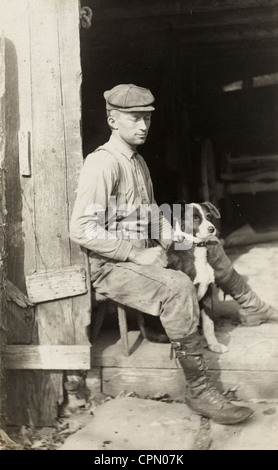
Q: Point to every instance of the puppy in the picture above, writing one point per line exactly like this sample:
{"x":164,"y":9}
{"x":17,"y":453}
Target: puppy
{"x":193,"y":262}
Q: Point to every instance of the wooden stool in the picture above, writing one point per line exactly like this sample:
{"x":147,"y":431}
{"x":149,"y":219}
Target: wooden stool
{"x":122,"y":320}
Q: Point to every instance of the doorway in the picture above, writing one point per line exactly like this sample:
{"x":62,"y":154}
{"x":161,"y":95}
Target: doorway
{"x":210,"y":82}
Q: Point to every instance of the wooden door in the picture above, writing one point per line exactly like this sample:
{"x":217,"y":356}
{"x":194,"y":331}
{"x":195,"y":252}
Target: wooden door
{"x":43,"y":114}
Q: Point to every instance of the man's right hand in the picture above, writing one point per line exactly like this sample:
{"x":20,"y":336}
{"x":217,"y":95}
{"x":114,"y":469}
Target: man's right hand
{"x":149,"y":256}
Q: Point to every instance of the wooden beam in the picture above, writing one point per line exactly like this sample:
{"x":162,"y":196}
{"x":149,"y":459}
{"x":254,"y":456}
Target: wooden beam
{"x":147,"y":382}
{"x":15,"y":295}
{"x":56,"y":284}
{"x":73,"y":357}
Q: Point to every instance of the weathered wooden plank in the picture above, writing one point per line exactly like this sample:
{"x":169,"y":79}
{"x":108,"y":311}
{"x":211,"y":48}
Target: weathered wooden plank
{"x":249,"y":349}
{"x":56,"y":284}
{"x":40,"y":392}
{"x":71,"y":74}
{"x":21,"y":231}
{"x":148,"y":382}
{"x":3,"y":244}
{"x":16,"y":296}
{"x":55,"y":319}
{"x":73,"y":357}
{"x":20,"y":324}
{"x":49,"y":166}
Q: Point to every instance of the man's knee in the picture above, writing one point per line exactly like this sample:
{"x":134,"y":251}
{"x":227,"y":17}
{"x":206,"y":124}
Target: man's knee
{"x":182,"y":283}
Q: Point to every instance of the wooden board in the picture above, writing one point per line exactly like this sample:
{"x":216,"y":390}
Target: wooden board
{"x":39,"y":200}
{"x":56,"y":284}
{"x":71,"y":77}
{"x":3,"y":245}
{"x":20,"y":324}
{"x":250,"y":349}
{"x":40,"y":392}
{"x":74,"y":357}
{"x":251,"y":385}
{"x":54,"y":151}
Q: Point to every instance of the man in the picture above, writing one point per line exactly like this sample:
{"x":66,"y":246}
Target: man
{"x":127,"y":266}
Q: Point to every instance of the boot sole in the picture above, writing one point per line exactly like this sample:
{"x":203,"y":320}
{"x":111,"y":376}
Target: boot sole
{"x":235,"y":421}
{"x":224,"y":421}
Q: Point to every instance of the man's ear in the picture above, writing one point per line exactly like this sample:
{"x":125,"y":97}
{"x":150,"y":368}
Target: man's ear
{"x":111,"y":120}
{"x":212,"y":209}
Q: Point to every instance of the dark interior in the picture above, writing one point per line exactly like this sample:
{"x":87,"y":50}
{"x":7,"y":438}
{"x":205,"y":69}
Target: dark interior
{"x":213,"y":69}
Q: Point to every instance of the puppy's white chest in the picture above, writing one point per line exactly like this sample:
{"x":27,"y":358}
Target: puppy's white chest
{"x":204,"y":272}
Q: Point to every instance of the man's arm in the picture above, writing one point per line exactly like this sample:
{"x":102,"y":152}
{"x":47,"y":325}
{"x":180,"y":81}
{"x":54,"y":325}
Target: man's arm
{"x":98,"y":180}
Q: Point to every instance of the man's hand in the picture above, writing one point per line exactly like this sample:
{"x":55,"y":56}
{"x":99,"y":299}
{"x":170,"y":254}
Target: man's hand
{"x":148,"y":257}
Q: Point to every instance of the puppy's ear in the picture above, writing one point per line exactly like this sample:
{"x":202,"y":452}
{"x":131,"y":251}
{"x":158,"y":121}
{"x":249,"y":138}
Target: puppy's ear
{"x":212,"y":209}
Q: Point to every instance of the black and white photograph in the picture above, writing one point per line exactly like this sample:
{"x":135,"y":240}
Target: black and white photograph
{"x":138,"y":227}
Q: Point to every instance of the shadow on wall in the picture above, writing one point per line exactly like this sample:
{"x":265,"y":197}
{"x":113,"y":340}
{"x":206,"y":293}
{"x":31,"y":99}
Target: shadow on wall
{"x":15,"y":242}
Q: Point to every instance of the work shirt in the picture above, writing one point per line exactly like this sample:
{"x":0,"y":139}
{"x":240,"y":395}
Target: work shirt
{"x":114,"y":195}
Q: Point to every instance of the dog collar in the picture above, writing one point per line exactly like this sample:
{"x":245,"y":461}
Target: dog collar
{"x":209,"y":242}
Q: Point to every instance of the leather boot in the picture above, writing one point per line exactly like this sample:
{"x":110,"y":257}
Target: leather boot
{"x":200,"y":395}
{"x":253,"y":311}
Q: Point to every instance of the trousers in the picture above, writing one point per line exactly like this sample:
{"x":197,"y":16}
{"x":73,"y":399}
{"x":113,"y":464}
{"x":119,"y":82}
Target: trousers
{"x":162,"y":292}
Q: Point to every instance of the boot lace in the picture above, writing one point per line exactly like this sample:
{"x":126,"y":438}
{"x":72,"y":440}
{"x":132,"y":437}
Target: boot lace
{"x":215,"y":396}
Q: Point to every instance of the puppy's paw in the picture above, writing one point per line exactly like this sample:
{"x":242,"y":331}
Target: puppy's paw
{"x":218,"y":348}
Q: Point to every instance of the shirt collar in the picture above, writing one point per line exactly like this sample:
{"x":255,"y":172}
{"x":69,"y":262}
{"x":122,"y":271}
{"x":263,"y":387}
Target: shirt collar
{"x":121,"y":147}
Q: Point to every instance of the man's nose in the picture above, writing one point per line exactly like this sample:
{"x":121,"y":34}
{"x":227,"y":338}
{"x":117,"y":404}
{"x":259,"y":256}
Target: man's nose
{"x":143,"y":125}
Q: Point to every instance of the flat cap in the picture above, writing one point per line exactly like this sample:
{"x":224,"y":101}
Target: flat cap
{"x":129,"y":98}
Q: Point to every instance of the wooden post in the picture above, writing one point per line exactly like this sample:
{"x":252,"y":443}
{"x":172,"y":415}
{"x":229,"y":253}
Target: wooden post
{"x":2,"y":230}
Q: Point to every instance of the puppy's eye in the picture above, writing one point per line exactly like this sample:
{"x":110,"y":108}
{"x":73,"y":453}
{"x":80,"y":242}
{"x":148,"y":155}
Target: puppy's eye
{"x":196,"y":217}
{"x":208,"y":217}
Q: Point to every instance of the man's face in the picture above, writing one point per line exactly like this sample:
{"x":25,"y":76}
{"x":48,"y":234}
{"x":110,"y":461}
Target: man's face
{"x":133,"y":127}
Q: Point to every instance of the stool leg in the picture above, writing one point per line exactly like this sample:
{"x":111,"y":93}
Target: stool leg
{"x":141,"y":323}
{"x":123,"y":328}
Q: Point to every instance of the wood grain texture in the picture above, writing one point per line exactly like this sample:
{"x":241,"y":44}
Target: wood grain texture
{"x":71,"y":77}
{"x":74,"y":357}
{"x":250,"y":349}
{"x":3,"y":244}
{"x":15,"y":295}
{"x":40,"y":392}
{"x":251,"y":385}
{"x":56,"y":284}
{"x":20,"y":324}
{"x":24,"y":152}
